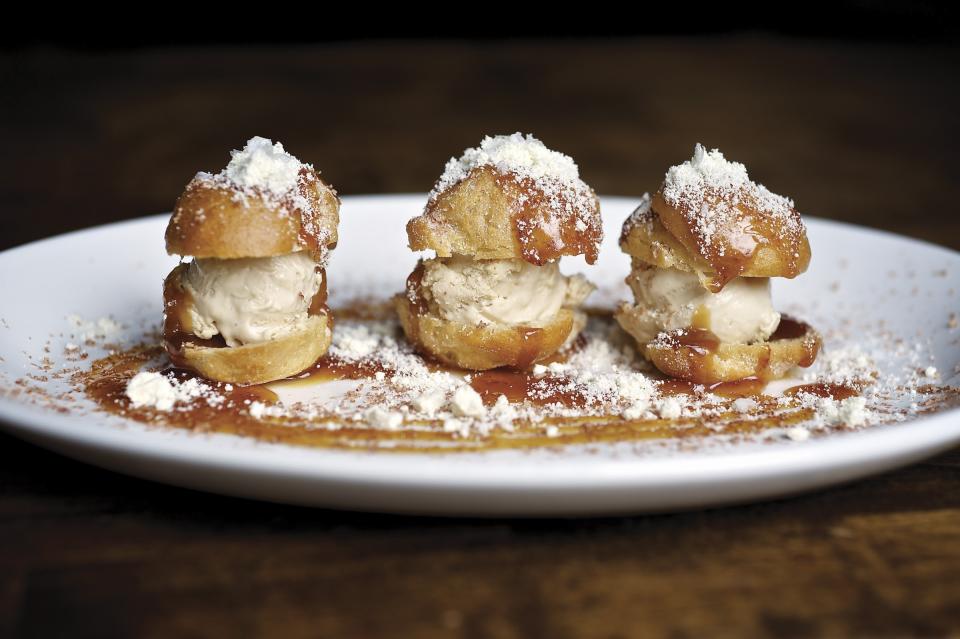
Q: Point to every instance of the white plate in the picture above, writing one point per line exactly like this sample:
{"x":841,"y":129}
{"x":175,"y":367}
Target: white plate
{"x":858,"y":278}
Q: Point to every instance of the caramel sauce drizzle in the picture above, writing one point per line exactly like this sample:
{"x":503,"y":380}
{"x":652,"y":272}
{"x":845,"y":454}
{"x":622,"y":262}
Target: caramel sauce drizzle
{"x":789,"y":328}
{"x":747,"y":387}
{"x":520,"y":386}
{"x":823,"y":389}
{"x":532,"y":218}
{"x":106,"y":382}
{"x":739,"y":237}
{"x":532,"y":339}
{"x":701,"y":342}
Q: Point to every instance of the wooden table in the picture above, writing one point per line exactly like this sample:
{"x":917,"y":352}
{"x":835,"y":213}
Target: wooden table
{"x":865,"y":133}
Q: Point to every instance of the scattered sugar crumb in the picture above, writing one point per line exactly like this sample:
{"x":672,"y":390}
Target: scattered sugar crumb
{"x":151,"y":390}
{"x":161,"y":392}
{"x":851,"y":411}
{"x":744,"y":404}
{"x":467,"y":402}
{"x":669,"y":408}
{"x":430,"y":402}
{"x":93,"y":330}
{"x":257,"y":409}
{"x":383,"y":418}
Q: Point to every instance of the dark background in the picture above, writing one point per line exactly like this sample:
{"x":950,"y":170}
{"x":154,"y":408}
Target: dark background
{"x":847,"y":107}
{"x":850,"y":108}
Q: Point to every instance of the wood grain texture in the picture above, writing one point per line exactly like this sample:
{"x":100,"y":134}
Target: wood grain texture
{"x":863,"y":133}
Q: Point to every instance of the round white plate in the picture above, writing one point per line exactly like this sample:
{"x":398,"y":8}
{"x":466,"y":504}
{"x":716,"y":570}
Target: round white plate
{"x":858,"y":278}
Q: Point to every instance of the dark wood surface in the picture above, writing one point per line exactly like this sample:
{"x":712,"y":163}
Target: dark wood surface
{"x":863,"y":132}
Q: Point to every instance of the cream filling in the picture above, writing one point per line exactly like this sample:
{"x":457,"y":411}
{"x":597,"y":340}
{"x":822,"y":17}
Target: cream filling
{"x":669,"y":299}
{"x":480,"y":292}
{"x":251,"y":300}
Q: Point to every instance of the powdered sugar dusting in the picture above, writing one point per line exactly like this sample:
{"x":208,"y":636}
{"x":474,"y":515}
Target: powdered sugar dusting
{"x":555,"y":212}
{"x":90,"y":331}
{"x":643,"y":216}
{"x":709,"y":189}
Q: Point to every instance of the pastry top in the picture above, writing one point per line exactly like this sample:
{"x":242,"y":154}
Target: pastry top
{"x":264,"y":203}
{"x":510,"y":198}
{"x":708,"y":217}
{"x":645,"y":239}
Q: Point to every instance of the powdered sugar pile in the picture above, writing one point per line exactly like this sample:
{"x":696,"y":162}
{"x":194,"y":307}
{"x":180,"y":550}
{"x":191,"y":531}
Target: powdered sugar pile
{"x":706,"y":169}
{"x":524,"y":156}
{"x":264,"y":169}
{"x":265,"y":165}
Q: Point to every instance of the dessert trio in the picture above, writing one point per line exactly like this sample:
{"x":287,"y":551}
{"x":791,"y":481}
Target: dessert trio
{"x":247,"y":304}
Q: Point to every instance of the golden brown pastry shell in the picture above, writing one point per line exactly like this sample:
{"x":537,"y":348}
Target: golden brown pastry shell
{"x":653,"y":244}
{"x":214,"y":220}
{"x":728,"y":362}
{"x":490,"y":346}
{"x":260,"y":363}
{"x":489,"y":215}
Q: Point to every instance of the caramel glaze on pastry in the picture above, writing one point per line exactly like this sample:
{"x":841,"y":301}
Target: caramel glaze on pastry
{"x":499,"y":219}
{"x":251,"y":305}
{"x":703,"y":250}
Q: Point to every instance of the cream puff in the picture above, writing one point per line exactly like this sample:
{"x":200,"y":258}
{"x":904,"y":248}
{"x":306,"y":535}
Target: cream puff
{"x":703,"y":250}
{"x":250,"y":306}
{"x":499,"y":219}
